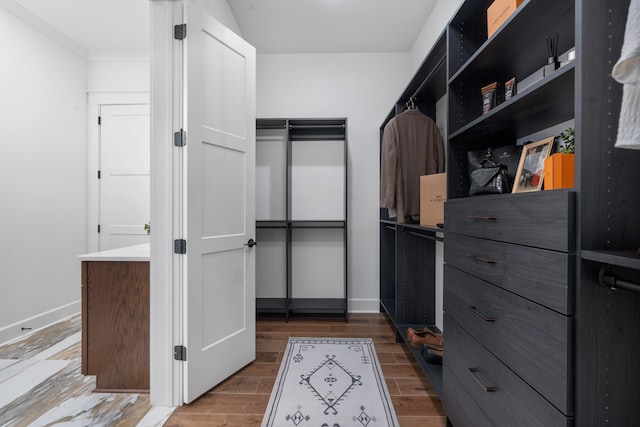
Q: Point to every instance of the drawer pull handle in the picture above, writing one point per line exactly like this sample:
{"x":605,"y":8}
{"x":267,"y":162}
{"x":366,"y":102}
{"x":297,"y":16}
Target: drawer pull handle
{"x":482,"y":316}
{"x":485,"y":260}
{"x":488,"y":389}
{"x":482,"y":218}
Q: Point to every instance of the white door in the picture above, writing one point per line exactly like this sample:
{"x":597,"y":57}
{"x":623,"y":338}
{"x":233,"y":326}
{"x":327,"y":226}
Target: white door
{"x":218,"y":203}
{"x":124,"y":175}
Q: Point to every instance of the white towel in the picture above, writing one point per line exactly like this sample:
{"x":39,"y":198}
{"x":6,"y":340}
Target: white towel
{"x":627,"y":72}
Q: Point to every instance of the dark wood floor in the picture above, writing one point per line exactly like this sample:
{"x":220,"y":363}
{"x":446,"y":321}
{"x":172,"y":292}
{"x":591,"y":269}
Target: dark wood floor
{"x":241,"y":400}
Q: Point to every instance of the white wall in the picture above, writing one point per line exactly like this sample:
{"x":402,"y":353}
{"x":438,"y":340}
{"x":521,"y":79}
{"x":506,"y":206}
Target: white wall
{"x":363,"y":88}
{"x":43,"y":185}
{"x":119,"y":72}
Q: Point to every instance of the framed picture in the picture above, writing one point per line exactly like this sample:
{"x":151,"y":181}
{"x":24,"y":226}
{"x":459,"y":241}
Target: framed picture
{"x":531,"y":167}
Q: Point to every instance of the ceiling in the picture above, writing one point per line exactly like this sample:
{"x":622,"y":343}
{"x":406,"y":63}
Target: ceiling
{"x":97,"y":25}
{"x":326,"y":26}
{"x":272,"y":26}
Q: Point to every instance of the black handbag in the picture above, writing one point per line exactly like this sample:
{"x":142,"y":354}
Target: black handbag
{"x":490,"y":178}
{"x":508,"y":156}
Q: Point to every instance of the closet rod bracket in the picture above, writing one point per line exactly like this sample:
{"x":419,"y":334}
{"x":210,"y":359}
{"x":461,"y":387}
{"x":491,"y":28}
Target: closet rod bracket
{"x":608,"y":280}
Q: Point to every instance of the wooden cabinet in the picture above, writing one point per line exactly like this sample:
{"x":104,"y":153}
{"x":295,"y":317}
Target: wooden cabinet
{"x":510,"y":259}
{"x":301,"y":213}
{"x":115,"y":322}
{"x":530,"y":282}
{"x":508,"y":308}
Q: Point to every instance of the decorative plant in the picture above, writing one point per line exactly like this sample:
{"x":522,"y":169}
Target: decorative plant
{"x":567,"y":141}
{"x":147,"y":228}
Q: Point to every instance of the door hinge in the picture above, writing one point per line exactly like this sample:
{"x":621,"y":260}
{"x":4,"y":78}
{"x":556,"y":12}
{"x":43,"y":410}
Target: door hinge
{"x":99,"y":175}
{"x":180,"y":353}
{"x":180,"y":246}
{"x":180,"y":32}
{"x":98,"y":228}
{"x":99,"y":120}
{"x":180,"y":138}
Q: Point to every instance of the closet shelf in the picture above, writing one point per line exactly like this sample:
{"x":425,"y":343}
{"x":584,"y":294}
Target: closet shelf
{"x":318,"y":224}
{"x":271,"y":304}
{"x":484,"y":60}
{"x":627,"y":259}
{"x":539,"y":100}
{"x":271,"y":124}
{"x":318,"y":304}
{"x":271,"y":224}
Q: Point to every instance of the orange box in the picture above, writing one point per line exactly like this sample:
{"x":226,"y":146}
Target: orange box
{"x":559,"y":171}
{"x":433,"y":194}
{"x":498,"y":12}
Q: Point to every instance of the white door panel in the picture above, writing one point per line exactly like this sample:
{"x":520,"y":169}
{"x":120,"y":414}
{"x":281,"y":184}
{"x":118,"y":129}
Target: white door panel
{"x":125,"y":175}
{"x":219,"y":209}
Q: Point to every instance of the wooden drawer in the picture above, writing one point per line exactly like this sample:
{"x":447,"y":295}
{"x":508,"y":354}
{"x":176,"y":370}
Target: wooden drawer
{"x":540,"y":275}
{"x":460,"y":409}
{"x":544,"y":219}
{"x":501,"y":395}
{"x":533,"y":341}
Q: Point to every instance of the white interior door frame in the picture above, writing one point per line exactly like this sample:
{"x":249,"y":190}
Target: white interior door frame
{"x":166,"y":298}
{"x":96,"y":99}
{"x":168,"y":213}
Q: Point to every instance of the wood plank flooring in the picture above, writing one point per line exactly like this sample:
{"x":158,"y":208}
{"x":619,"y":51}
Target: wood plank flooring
{"x":242,"y":399}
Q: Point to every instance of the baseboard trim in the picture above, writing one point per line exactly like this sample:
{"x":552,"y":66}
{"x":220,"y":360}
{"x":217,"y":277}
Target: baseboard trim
{"x":35,"y":323}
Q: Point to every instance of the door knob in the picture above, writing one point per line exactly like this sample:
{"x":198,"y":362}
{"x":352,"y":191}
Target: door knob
{"x":251,"y":243}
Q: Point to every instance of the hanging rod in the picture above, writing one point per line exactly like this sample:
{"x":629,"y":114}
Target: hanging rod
{"x":612,"y":282}
{"x":271,"y":127}
{"x":424,"y":236}
{"x":388,"y":227}
{"x":340,"y":126}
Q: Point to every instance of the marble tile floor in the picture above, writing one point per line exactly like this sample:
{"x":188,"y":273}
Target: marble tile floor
{"x":41,"y":385}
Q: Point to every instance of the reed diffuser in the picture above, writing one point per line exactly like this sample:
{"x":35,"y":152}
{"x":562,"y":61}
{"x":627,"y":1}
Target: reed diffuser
{"x":552,"y":49}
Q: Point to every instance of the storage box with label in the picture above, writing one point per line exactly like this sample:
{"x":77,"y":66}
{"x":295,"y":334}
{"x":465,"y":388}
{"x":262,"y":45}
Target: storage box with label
{"x":559,"y":171}
{"x":498,"y":12}
{"x":433,"y":194}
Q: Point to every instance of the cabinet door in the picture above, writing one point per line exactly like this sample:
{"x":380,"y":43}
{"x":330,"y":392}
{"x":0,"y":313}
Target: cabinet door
{"x":116,"y":335}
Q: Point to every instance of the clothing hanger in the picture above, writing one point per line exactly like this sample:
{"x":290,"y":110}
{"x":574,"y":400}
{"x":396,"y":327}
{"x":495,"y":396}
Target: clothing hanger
{"x":410,"y":104}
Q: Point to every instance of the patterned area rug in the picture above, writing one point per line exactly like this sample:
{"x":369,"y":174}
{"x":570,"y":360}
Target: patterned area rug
{"x":330,"y":382}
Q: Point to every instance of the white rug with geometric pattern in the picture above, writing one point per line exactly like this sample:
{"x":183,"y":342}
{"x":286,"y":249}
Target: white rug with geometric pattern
{"x":330,"y":382}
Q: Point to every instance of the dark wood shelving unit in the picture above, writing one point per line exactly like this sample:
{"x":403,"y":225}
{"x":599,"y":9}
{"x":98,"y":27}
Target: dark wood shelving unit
{"x":596,"y":234}
{"x":407,"y":251}
{"x":291,"y":131}
{"x":587,"y":235}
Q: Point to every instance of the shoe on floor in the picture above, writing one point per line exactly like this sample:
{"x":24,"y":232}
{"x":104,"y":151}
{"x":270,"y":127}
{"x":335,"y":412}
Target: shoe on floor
{"x":418,"y":338}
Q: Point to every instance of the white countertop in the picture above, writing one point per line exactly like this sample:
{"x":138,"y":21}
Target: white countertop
{"x":130,"y":253}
